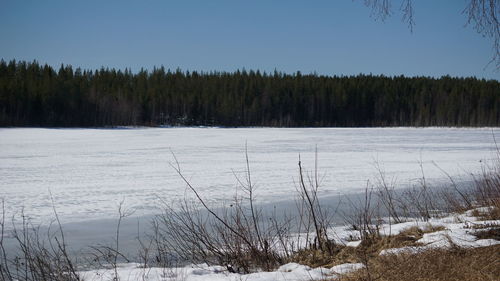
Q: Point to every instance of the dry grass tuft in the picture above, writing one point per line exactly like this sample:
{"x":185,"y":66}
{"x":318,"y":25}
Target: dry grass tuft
{"x":491,"y":214}
{"x":408,"y":237}
{"x":369,"y":248}
{"x":494,"y":213}
{"x":315,"y":257}
{"x":493,"y":233}
{"x":480,"y":264}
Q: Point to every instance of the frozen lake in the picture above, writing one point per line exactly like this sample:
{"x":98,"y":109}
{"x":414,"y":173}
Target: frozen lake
{"x":89,"y":171}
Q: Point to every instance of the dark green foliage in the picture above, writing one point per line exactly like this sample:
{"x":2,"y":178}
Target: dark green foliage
{"x":36,"y":95}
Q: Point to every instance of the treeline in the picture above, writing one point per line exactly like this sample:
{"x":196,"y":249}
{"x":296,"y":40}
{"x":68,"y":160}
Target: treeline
{"x":32,"y":94}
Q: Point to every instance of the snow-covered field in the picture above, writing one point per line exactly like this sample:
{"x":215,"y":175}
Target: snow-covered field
{"x":88,"y":171}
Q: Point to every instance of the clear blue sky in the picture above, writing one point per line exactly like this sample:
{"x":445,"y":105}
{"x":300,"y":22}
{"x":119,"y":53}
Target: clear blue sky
{"x":328,"y":36}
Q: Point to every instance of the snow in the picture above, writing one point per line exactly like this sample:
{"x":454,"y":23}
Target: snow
{"x":346,"y":268}
{"x":89,"y":171}
{"x":353,"y":243}
{"x":458,"y":230}
{"x":290,"y":272}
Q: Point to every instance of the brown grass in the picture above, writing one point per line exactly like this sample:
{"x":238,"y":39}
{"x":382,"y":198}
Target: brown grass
{"x":494,"y":213}
{"x":492,"y":233}
{"x":405,"y":238}
{"x":491,"y":214}
{"x":316,"y":257}
{"x":453,"y":264}
{"x":369,"y":248}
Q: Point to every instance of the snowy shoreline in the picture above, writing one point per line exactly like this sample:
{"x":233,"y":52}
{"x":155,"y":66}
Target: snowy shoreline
{"x":457,"y":232}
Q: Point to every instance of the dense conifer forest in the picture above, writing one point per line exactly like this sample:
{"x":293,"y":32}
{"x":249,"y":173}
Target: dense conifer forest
{"x":32,"y":94}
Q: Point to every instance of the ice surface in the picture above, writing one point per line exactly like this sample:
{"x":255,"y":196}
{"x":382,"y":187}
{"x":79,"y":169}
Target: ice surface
{"x":89,"y":171}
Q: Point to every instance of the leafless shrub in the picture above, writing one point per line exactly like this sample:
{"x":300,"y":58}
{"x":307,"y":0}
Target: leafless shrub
{"x":311,"y":211}
{"x":363,"y":215}
{"x":5,"y":273}
{"x":42,"y":257}
{"x":387,"y":196}
{"x":240,"y":236}
{"x":313,"y":245}
{"x":421,"y":200}
{"x":237,"y":237}
{"x":487,"y":191}
{"x":106,"y":256}
{"x":482,"y":15}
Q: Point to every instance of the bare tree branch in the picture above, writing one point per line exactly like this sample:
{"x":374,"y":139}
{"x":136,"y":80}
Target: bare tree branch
{"x":481,"y":14}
